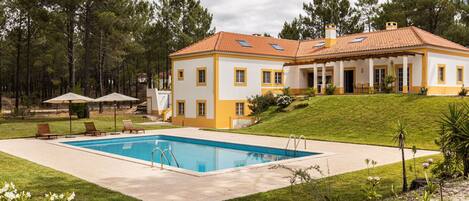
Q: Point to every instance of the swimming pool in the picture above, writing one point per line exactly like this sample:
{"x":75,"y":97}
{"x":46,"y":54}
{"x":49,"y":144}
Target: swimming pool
{"x":190,"y":154}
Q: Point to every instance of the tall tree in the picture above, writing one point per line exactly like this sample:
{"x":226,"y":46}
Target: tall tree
{"x":368,"y":10}
{"x":291,"y":30}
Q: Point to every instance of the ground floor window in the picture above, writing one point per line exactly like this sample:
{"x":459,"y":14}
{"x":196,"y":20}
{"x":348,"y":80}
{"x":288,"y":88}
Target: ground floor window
{"x":278,"y":76}
{"x":460,"y":74}
{"x":441,"y":73}
{"x":181,"y":107}
{"x":266,"y":76}
{"x":240,"y":109}
{"x":201,"y":108}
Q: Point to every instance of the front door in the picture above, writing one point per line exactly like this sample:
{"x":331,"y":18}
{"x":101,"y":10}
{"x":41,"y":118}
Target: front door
{"x":400,"y":79}
{"x":379,"y":78}
{"x":310,"y":79}
{"x":348,"y":81}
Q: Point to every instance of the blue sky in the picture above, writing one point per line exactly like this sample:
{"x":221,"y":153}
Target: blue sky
{"x":253,"y":16}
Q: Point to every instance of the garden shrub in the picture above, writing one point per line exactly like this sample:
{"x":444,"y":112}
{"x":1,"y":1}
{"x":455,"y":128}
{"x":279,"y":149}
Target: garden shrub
{"x":463,"y":92}
{"x":301,"y":105}
{"x":388,"y":81}
{"x":423,"y":91}
{"x":311,"y":92}
{"x":81,"y":110}
{"x":330,"y":89}
{"x":260,"y":103}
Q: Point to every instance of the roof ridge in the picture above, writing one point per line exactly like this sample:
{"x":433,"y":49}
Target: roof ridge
{"x":413,"y":28}
{"x":217,"y":43}
{"x":271,"y":37}
{"x":362,"y":33}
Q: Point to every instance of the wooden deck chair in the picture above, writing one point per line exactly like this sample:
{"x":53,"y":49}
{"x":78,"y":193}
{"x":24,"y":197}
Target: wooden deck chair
{"x":43,"y":131}
{"x":129,"y":126}
{"x":91,"y":129}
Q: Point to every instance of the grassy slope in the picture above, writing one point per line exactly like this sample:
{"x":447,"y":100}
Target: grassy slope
{"x":27,"y":128}
{"x":348,"y":186}
{"x":40,"y":180}
{"x":360,"y":119}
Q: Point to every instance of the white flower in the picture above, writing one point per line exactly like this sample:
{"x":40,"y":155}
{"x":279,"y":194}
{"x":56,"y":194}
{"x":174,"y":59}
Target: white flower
{"x":370,"y":178}
{"x":71,"y":197}
{"x":10,"y":195}
{"x":377,"y":178}
{"x":425,"y":165}
{"x":430,"y":161}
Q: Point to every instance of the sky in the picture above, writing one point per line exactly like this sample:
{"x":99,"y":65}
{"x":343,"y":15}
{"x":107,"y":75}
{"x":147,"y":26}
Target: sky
{"x":253,"y":16}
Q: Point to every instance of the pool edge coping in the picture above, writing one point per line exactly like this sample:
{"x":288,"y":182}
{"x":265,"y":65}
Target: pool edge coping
{"x":60,"y":142}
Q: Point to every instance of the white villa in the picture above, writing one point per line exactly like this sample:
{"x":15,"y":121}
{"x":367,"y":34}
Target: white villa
{"x":214,"y":77}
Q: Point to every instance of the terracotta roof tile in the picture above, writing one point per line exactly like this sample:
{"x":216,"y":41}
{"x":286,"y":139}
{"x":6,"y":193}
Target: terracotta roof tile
{"x":379,"y":40}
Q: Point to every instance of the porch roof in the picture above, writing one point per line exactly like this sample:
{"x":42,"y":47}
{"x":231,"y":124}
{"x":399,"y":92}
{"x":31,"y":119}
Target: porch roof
{"x":352,"y":57}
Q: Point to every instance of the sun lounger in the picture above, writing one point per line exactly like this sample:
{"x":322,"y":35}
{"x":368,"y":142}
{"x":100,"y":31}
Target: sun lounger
{"x":129,"y":126}
{"x":91,"y":129}
{"x":43,"y":131}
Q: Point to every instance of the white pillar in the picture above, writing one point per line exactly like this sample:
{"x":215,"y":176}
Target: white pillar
{"x":341,"y":77}
{"x":315,"y":71}
{"x":370,"y":74}
{"x":405,"y":66}
{"x":323,"y":86}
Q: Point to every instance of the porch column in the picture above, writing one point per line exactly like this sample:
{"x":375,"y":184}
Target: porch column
{"x":341,"y":77}
{"x":370,"y":75}
{"x":405,"y":65}
{"x":323,"y":86}
{"x":315,"y":82}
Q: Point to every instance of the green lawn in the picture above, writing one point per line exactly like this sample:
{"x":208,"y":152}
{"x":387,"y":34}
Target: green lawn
{"x":347,"y":186}
{"x":17,"y":128}
{"x":40,"y":180}
{"x":359,"y":119}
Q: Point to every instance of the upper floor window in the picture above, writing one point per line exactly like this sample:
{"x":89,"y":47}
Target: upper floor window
{"x":201,"y":76}
{"x":278,"y":77}
{"x":240,"y":76}
{"x":266,"y":77}
{"x":441,"y":73}
{"x":460,"y":74}
{"x":181,"y":74}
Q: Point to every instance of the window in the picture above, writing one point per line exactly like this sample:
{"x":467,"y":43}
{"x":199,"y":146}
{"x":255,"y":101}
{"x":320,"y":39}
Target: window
{"x":277,"y":47}
{"x":358,"y":40}
{"x":441,"y":73}
{"x":181,"y":107}
{"x":240,"y":109}
{"x":320,"y":44}
{"x":244,"y":43}
{"x":266,"y":77}
{"x":278,"y":77}
{"x":240,"y":76}
{"x":201,"y":76}
{"x":201,"y":108}
{"x":460,"y":74}
{"x":181,"y":74}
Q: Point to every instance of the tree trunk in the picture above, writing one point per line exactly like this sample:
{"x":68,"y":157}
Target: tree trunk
{"x":87,"y":49}
{"x":17,"y":73}
{"x":28,"y":57}
{"x":404,"y":175}
{"x":70,"y":48}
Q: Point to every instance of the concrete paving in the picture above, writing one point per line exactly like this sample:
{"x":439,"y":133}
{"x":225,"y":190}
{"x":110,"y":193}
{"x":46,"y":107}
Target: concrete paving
{"x":141,"y":181}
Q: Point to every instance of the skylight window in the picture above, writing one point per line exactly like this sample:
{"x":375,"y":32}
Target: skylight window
{"x":244,"y":43}
{"x":319,"y":44}
{"x":277,"y":47}
{"x":358,"y":40}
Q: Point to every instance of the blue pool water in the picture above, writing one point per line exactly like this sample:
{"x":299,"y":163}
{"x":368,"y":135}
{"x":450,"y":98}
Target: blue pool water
{"x":191,"y":154}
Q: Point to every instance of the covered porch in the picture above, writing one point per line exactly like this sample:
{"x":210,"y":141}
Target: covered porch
{"x":358,"y":74}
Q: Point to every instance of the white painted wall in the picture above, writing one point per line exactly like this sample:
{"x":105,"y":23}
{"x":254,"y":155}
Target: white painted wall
{"x":227,"y":89}
{"x":188,"y":91}
{"x":451,"y":62}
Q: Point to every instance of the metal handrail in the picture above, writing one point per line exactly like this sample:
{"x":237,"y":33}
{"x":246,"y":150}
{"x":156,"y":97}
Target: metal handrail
{"x":174,"y":157}
{"x":288,"y":142}
{"x":299,"y":141}
{"x":162,"y":154}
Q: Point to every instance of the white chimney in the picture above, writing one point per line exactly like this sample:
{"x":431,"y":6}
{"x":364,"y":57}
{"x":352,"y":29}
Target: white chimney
{"x":331,"y":35}
{"x":391,"y":25}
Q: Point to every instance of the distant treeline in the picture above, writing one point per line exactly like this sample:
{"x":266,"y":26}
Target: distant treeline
{"x":49,"y":47}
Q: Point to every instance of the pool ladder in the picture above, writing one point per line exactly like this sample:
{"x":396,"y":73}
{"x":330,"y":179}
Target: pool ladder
{"x":296,"y":143}
{"x":163,"y":156}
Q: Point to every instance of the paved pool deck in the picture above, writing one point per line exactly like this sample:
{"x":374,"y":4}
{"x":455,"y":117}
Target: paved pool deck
{"x":141,"y":181}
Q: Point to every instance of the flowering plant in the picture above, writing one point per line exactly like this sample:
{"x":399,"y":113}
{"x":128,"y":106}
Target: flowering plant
{"x":9,"y":193}
{"x":284,"y":100}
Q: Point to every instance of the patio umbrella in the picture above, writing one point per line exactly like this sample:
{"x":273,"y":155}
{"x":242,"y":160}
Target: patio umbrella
{"x":114,"y":98}
{"x":70,"y":98}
